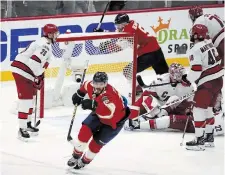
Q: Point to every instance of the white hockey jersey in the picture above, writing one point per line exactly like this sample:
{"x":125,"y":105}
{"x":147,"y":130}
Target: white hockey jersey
{"x":163,"y":93}
{"x":204,"y":63}
{"x":215,"y":27}
{"x":33,"y":60}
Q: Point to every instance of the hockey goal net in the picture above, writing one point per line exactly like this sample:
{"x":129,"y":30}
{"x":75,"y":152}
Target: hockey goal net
{"x":109,"y":52}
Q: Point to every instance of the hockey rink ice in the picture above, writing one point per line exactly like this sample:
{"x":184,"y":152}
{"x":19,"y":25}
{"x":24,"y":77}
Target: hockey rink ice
{"x":130,"y":153}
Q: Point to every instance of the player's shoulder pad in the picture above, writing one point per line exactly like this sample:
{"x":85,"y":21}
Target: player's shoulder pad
{"x":43,"y":43}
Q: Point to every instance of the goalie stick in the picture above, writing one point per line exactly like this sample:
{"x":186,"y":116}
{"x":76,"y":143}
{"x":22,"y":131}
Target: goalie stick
{"x":69,"y":137}
{"x":143,"y":85}
{"x":179,"y":100}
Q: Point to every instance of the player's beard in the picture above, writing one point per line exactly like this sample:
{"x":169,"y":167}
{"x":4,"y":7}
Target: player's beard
{"x":98,"y":91}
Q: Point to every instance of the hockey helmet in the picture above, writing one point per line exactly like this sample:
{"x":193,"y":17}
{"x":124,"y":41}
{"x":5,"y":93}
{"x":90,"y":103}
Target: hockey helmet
{"x":122,"y":18}
{"x":195,"y":12}
{"x":198,"y":32}
{"x":100,"y":81}
{"x":176,"y":72}
{"x":100,"y":77}
{"x":51,"y":31}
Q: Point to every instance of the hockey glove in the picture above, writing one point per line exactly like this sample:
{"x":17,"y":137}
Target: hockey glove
{"x":89,"y":104}
{"x":78,"y":97}
{"x":98,"y":30}
{"x":185,"y":81}
{"x":38,"y":82}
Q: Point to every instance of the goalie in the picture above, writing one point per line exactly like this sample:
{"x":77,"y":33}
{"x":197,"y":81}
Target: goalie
{"x":153,"y":117}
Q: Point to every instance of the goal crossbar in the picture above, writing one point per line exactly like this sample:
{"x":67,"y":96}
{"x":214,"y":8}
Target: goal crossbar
{"x":91,"y":36}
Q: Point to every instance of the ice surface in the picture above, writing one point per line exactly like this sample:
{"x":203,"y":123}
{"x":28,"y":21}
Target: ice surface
{"x":130,"y":153}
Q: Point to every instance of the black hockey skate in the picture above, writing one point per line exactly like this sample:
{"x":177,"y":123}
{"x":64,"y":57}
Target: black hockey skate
{"x":23,"y":135}
{"x":197,"y":144}
{"x":80,"y":164}
{"x":73,"y":161}
{"x":209,"y":140}
{"x":33,"y":131}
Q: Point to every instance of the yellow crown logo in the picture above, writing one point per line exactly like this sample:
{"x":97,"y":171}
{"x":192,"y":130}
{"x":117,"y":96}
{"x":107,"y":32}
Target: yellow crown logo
{"x":161,"y":25}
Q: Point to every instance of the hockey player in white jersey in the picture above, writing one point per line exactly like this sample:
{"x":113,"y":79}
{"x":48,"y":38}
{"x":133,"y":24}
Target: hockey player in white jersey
{"x":207,"y":73}
{"x":154,"y":97}
{"x":28,"y":71}
{"x":215,"y":27}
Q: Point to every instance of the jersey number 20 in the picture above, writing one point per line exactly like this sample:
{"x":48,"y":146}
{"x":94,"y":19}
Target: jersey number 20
{"x":43,"y":52}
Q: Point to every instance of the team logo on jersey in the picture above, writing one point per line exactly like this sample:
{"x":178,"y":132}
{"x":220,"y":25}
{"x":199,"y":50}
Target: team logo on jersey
{"x":105,"y":100}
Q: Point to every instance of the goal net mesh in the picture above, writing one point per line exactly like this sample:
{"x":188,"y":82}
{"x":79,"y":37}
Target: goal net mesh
{"x":107,"y":52}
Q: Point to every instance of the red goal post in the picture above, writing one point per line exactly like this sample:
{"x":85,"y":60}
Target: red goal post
{"x":110,"y":51}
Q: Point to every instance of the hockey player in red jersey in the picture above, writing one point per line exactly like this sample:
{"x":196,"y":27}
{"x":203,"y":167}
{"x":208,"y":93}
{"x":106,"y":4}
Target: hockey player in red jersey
{"x":149,"y":52}
{"x":215,"y":27}
{"x":207,"y":73}
{"x":109,"y":113}
{"x":28,"y":71}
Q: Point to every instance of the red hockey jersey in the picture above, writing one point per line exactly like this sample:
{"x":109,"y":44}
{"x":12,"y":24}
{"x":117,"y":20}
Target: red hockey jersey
{"x":146,"y":42}
{"x":110,"y":108}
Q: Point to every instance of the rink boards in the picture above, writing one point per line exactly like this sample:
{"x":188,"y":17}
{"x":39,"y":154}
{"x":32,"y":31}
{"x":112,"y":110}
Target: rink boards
{"x":171,"y":26}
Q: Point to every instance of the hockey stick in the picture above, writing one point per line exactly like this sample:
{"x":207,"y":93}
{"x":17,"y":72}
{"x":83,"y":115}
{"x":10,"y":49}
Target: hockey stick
{"x":103,"y":15}
{"x":35,"y":114}
{"x":143,"y":85}
{"x":69,"y":137}
{"x":185,"y":128}
{"x":179,"y":100}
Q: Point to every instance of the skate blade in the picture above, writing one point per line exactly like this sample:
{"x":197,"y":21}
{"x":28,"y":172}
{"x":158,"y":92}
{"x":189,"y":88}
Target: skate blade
{"x":33,"y":134}
{"x":195,"y":148}
{"x":23,"y":139}
{"x":209,"y":145}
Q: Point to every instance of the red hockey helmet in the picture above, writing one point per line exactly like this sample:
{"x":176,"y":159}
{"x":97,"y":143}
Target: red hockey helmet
{"x":176,"y":72}
{"x":199,"y":32}
{"x":51,"y":31}
{"x":195,"y":12}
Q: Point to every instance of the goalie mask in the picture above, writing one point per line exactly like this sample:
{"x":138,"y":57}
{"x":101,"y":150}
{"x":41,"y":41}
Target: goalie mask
{"x":100,"y":81}
{"x":176,"y":72}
